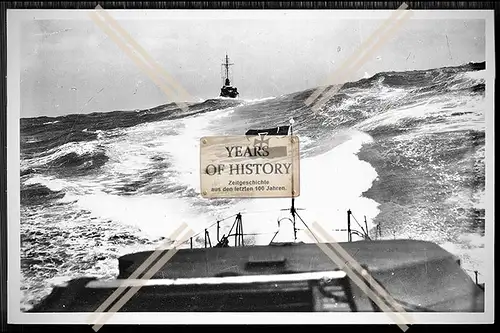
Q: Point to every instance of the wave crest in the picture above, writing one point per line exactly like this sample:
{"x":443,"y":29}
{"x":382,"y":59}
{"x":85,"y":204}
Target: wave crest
{"x":69,"y":158}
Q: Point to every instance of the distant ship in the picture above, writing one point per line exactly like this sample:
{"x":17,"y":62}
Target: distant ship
{"x":227,"y":89}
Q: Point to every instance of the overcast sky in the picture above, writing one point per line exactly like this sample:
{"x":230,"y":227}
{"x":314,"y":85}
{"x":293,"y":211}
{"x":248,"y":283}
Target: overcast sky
{"x":72,"y":66}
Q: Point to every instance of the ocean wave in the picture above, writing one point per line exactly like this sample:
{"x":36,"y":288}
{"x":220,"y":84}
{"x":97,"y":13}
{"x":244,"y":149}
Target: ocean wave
{"x":68,"y":158}
{"x":37,"y":194}
{"x":42,"y":134}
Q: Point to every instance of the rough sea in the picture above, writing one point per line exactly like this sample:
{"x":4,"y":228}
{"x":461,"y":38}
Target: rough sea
{"x":403,"y":149}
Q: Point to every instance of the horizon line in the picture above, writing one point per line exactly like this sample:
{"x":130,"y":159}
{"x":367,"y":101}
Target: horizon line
{"x":202,"y":100}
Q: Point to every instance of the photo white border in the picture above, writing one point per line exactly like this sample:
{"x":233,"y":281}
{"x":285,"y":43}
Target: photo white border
{"x":16,"y":316}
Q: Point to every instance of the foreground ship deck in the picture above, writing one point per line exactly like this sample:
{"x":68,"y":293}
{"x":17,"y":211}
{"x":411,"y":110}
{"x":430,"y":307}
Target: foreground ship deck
{"x":420,"y":276}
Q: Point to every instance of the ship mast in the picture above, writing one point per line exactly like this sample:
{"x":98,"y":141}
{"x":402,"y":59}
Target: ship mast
{"x":226,"y":66}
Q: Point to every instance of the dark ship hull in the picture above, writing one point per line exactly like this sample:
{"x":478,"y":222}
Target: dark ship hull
{"x":229,"y":91}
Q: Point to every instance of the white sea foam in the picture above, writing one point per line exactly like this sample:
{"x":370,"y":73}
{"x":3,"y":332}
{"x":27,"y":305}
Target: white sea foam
{"x":469,"y":115}
{"x":184,"y":148}
{"x":331,"y":183}
{"x":51,"y":183}
{"x":129,"y":155}
{"x":258,"y":100}
{"x":335,"y":179}
{"x":154,"y":215}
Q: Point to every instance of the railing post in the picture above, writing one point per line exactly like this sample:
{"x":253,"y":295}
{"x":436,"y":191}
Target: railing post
{"x":349,"y":236}
{"x":366,"y":226}
{"x":241,"y":228}
{"x":218,"y":228}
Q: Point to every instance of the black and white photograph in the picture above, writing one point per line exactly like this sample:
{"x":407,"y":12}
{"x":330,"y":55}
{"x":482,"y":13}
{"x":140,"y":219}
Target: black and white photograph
{"x":377,"y":208}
